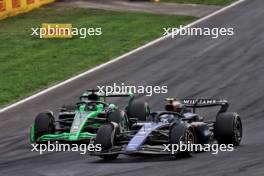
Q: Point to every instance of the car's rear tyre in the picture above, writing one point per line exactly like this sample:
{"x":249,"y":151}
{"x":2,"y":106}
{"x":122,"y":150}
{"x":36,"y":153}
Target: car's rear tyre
{"x":105,"y":137}
{"x":181,"y":134}
{"x":44,"y":124}
{"x":228,"y":128}
{"x":120,"y":118}
{"x":115,"y":116}
{"x":139,"y":110}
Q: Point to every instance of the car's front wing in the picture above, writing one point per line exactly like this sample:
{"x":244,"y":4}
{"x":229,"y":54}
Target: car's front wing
{"x":66,"y":137}
{"x":144,"y":149}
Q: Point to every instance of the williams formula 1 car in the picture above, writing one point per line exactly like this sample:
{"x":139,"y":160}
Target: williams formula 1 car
{"x":80,"y":122}
{"x":179,"y":123}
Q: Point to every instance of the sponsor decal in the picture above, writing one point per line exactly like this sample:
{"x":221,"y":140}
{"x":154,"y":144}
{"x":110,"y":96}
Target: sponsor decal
{"x":16,"y":4}
{"x":202,"y":101}
{"x":53,"y":30}
{"x":2,"y":6}
{"x":30,"y":1}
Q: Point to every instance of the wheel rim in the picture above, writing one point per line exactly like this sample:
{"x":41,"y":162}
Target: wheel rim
{"x":189,"y":137}
{"x":238,"y":131}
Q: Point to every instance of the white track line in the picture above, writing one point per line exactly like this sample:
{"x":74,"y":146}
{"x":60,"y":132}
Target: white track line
{"x":116,"y":59}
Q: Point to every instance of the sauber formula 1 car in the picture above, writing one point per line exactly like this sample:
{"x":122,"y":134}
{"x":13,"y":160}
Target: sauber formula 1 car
{"x":179,"y":123}
{"x":80,"y":122}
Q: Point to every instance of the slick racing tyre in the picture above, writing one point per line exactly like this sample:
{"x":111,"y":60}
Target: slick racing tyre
{"x":181,"y":133}
{"x":120,"y":118}
{"x":44,"y":124}
{"x":105,"y":136}
{"x":139,"y":110}
{"x":228,"y":128}
{"x":116,"y":116}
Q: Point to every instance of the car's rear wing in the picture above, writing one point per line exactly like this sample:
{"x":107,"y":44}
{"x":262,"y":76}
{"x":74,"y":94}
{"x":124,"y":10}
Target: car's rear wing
{"x":202,"y":103}
{"x":116,"y":95}
{"x":104,"y":94}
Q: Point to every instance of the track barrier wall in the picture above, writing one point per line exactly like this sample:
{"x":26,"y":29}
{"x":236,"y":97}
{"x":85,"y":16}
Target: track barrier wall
{"x":13,"y":7}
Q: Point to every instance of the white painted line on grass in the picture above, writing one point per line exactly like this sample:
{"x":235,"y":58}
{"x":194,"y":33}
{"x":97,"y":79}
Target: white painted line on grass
{"x":116,"y":59}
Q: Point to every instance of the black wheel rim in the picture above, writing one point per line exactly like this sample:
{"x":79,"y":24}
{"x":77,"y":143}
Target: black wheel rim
{"x":238,"y":131}
{"x":189,"y":137}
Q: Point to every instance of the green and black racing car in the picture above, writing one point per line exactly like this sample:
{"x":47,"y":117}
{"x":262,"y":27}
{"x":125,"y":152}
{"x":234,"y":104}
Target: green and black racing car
{"x":80,"y":122}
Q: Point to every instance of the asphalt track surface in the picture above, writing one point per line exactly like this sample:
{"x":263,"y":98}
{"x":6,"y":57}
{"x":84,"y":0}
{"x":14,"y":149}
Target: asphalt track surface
{"x":192,"y":67}
{"x":161,"y":8}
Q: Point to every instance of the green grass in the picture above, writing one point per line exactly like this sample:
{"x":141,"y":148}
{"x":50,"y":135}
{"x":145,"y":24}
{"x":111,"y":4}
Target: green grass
{"x":207,"y":2}
{"x":29,"y":64}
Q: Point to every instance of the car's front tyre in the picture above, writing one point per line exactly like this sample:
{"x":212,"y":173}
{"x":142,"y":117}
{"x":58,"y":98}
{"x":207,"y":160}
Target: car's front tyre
{"x":44,"y":124}
{"x":105,"y":137}
{"x":181,"y":134}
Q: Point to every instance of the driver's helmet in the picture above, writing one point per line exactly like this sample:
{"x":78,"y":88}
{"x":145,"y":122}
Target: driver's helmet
{"x":174,"y":105}
{"x":93,"y":97}
{"x":88,"y":96}
{"x":167,"y":118}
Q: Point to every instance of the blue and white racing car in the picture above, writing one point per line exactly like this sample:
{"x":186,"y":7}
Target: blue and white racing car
{"x":178,"y":124}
